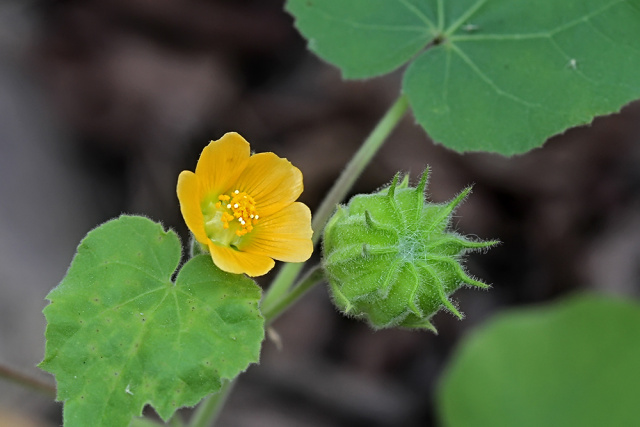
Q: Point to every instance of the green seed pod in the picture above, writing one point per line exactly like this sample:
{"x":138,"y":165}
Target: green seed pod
{"x":391,"y":259}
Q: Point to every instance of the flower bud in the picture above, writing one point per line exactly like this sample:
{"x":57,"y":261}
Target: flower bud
{"x":392,"y":259}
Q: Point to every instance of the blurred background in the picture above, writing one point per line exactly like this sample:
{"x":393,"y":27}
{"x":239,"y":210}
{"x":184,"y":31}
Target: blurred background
{"x":102,"y":104}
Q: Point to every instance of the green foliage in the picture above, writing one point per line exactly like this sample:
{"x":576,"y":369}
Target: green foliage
{"x":572,"y":364}
{"x":487,"y":75}
{"x":391,"y":259}
{"x":121,"y":334}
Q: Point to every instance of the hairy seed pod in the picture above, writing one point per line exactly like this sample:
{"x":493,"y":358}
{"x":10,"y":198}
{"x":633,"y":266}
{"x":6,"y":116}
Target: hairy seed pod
{"x":391,"y":258}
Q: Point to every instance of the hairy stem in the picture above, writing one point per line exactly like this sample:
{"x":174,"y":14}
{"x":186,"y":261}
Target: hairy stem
{"x":288,"y":273}
{"x":313,"y":276}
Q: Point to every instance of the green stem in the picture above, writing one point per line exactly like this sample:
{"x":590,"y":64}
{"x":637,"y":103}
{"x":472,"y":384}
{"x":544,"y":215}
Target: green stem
{"x":357,"y":164}
{"x":312,"y":277}
{"x":209,"y":410}
{"x":288,"y":272}
{"x":27,"y":381}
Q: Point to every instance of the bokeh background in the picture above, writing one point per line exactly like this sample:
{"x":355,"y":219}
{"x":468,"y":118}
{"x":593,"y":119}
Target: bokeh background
{"x":102,"y":104}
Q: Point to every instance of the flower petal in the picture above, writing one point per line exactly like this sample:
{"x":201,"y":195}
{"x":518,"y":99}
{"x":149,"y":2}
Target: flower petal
{"x":272,"y":181}
{"x":237,"y":262}
{"x":284,"y":235}
{"x":222,"y":162}
{"x":189,"y":195}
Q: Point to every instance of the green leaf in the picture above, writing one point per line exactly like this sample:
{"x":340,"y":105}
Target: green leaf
{"x":487,"y":75}
{"x":121,"y":334}
{"x":365,"y":38}
{"x":574,"y":363}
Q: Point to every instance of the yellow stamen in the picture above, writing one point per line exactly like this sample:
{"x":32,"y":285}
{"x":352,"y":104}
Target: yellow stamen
{"x":241,"y":206}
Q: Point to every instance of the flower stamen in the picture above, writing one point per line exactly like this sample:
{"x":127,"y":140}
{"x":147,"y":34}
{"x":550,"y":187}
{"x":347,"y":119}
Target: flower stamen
{"x":241,"y":206}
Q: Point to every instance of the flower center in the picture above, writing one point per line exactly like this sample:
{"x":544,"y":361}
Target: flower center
{"x":229,"y":217}
{"x":240,"y":207}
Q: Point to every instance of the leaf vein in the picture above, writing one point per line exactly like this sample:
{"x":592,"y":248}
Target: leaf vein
{"x":440,"y":15}
{"x":208,"y":303}
{"x":608,"y":37}
{"x":145,"y":329}
{"x":180,"y":331}
{"x":143,"y":238}
{"x":447,"y":77}
{"x":490,"y":82}
{"x":367,"y":26}
{"x":122,"y":304}
{"x":465,"y":17}
{"x":124,"y":264}
{"x":584,"y":18}
{"x":528,"y":36}
{"x":418,"y":14}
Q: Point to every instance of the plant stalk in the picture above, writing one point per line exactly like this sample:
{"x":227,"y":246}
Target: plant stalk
{"x":288,"y":273}
{"x":312,"y":277}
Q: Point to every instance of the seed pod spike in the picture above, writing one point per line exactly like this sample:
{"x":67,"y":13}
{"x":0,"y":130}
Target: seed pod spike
{"x":394,"y":183}
{"x":448,"y":304}
{"x":423,"y":324}
{"x":450,"y":207}
{"x":429,"y":327}
{"x":369,"y":220}
{"x":480,"y":244}
{"x":405,"y":182}
{"x":424,"y":179}
{"x":459,"y":198}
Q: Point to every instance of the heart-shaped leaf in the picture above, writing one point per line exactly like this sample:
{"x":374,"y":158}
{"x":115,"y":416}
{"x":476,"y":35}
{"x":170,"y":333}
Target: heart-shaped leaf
{"x":121,"y":334}
{"x":487,"y":75}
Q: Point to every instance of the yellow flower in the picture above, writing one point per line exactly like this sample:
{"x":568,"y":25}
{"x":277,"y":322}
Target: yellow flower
{"x":243,"y":207}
